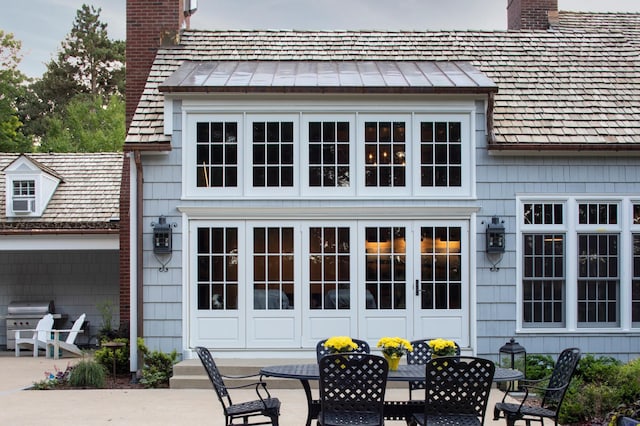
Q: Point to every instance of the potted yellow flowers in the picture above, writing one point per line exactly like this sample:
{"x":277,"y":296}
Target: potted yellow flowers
{"x":393,"y":348}
{"x":442,"y":347}
{"x":339,"y":344}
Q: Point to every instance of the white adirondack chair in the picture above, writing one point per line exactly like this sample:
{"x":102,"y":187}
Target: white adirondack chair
{"x":38,"y":338}
{"x":55,"y":345}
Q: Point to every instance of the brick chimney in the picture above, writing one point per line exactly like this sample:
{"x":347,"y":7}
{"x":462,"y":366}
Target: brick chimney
{"x":530,"y":14}
{"x":150,"y":24}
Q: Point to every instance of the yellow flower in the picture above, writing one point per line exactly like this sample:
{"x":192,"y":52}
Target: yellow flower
{"x":340,"y":344}
{"x":443,"y":347}
{"x":394,"y":346}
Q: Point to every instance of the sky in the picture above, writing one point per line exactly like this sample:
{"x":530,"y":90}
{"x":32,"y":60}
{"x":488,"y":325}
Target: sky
{"x":42,"y":25}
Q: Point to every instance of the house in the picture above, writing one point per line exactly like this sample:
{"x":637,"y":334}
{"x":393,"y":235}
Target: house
{"x":475,"y":186}
{"x":59,"y":236}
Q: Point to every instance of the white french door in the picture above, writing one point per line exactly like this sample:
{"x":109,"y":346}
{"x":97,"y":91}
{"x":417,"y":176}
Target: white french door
{"x":287,"y":285}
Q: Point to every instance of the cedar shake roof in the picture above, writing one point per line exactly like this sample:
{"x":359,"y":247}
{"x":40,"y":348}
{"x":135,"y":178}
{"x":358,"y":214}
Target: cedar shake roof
{"x":87,"y":198}
{"x":576,"y":86}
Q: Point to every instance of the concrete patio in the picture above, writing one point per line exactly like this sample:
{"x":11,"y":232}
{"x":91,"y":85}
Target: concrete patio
{"x":133,"y":407}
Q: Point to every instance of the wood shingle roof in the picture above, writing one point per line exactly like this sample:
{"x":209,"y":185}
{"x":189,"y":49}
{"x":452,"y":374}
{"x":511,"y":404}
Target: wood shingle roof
{"x":88,"y":198}
{"x":575,"y":85}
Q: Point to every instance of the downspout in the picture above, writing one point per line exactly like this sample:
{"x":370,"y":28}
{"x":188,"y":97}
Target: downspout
{"x":139,"y":244}
{"x":135,"y":261}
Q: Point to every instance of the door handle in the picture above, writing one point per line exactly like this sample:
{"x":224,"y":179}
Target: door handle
{"x":418,"y":290}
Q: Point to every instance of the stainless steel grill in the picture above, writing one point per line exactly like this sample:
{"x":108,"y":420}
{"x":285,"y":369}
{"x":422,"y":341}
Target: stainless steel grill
{"x":25,"y":316}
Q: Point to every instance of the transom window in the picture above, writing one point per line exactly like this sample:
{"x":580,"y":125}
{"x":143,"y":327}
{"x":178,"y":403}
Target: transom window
{"x":300,"y":155}
{"x":329,"y":153}
{"x":385,"y":153}
{"x":582,"y":290}
{"x":217,"y":154}
{"x":272,"y":154}
{"x":440,"y":153}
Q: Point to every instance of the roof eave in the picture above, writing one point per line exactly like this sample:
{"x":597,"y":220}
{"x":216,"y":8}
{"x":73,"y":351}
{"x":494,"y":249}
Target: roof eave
{"x":563,"y":148}
{"x":475,"y":90}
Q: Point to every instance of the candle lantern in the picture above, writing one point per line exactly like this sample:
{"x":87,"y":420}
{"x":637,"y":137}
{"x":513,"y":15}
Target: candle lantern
{"x":514,"y":355}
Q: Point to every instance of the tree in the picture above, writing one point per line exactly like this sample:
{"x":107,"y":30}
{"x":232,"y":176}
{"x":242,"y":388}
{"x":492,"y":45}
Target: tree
{"x":89,"y":124}
{"x":88,"y":63}
{"x":11,"y":89}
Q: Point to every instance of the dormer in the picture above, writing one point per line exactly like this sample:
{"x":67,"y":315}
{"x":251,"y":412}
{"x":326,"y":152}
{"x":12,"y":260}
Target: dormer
{"x":29,"y":187}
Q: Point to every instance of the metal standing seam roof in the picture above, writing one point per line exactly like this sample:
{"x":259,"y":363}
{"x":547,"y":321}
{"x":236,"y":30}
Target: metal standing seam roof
{"x":325,"y":76}
{"x":569,"y":86}
{"x":87,"y":199}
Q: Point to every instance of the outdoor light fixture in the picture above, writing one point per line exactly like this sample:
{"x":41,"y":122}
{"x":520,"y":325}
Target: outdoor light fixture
{"x":513,"y":355}
{"x":495,"y":236}
{"x":162,"y":241}
{"x":495,"y":242}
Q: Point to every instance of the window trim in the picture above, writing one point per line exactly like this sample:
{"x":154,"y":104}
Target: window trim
{"x":571,"y":229}
{"x":329,"y":106}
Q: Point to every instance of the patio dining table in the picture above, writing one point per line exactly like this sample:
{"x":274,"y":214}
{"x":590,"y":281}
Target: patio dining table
{"x":393,"y":410}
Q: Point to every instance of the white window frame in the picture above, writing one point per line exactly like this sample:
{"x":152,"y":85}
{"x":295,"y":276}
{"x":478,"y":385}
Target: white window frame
{"x":384,"y":191}
{"x":270,"y":191}
{"x":190,"y":155}
{"x":322,"y":191}
{"x":304,"y":109}
{"x":571,"y":229}
{"x":467,"y":155}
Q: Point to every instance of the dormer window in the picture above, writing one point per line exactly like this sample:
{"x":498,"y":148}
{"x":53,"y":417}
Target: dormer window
{"x":29,"y":186}
{"x":24,"y":196}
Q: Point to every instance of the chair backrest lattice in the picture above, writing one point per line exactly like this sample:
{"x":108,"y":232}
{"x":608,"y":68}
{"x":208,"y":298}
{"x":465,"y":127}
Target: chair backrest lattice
{"x":215,"y":376}
{"x":563,"y":371}
{"x":352,"y":383}
{"x":363,"y":348}
{"x":421,"y":353}
{"x":458,"y":386}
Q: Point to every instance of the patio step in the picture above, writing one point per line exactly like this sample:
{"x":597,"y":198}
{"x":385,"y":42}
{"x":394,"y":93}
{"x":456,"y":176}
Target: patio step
{"x":190,"y":374}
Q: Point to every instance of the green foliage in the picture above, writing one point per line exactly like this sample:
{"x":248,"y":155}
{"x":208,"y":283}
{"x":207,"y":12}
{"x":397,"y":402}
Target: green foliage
{"x":158,"y":366}
{"x":602,"y":389}
{"x":539,"y":366}
{"x":72,"y":107}
{"x":104,"y":356}
{"x":88,"y":124}
{"x":11,"y":89}
{"x":588,"y":403}
{"x":628,"y":381}
{"x":597,"y":370}
{"x":88,"y":374}
{"x":107,"y":310}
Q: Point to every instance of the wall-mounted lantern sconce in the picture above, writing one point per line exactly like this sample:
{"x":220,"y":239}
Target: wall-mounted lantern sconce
{"x":162,"y":241}
{"x":495,"y":236}
{"x":495,"y":242}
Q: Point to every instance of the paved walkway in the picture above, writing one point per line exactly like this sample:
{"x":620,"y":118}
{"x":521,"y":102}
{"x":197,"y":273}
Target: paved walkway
{"x":132,"y":407}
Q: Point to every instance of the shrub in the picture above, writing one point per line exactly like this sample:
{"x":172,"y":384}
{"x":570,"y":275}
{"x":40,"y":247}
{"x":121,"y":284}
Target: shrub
{"x":539,"y":366}
{"x":158,"y":366}
{"x":87,"y":374}
{"x":104,"y":356}
{"x":588,"y":403}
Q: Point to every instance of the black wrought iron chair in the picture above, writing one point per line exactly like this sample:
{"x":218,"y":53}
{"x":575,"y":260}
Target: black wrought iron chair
{"x":244,"y":412}
{"x":420,"y":355}
{"x":352,"y":388}
{"x":363,"y":347}
{"x":456,"y":391}
{"x":551,"y":392}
